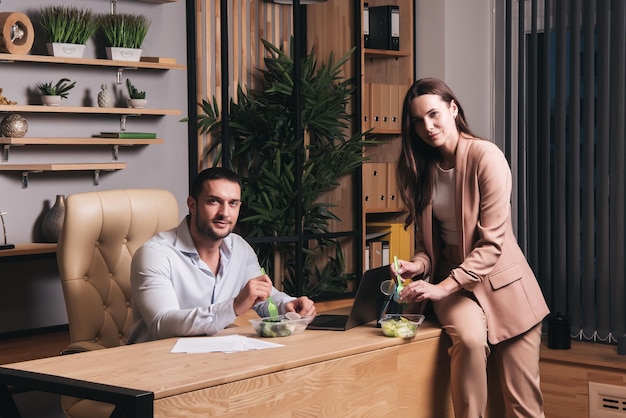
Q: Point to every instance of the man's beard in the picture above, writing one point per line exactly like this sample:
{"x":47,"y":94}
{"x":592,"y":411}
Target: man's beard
{"x":205,"y":230}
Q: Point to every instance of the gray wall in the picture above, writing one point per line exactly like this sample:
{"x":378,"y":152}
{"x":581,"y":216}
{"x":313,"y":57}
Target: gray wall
{"x":30,"y":292}
{"x":455,"y":42}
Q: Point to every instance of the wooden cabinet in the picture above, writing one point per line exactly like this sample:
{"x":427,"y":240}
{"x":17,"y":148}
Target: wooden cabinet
{"x":118,"y":112}
{"x":383,"y":77}
{"x":386,"y":75}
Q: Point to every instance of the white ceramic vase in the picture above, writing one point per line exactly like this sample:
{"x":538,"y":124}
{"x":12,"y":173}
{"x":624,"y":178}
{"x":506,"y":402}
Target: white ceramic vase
{"x":51,"y":100}
{"x":58,"y":49}
{"x":137,"y":103}
{"x":123,"y":54}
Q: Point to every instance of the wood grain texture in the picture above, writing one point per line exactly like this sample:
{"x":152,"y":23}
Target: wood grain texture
{"x":398,"y":381}
{"x":565,"y":376}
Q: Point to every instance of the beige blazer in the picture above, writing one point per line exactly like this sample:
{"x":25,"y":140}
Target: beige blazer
{"x":494,"y":267}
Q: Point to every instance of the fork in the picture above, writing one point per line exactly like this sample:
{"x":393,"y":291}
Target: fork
{"x":399,"y":279}
{"x":271,"y":306}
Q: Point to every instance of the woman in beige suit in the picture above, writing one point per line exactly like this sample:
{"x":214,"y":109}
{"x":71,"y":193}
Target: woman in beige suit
{"x":457,"y":189}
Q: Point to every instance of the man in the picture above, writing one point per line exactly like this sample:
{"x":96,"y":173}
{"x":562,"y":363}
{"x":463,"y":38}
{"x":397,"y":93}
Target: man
{"x":197,"y":278}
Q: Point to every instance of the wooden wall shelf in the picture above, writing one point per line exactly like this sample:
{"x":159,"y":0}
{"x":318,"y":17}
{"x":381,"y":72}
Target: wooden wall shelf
{"x":88,"y":110}
{"x":28,"y":168}
{"x":78,"y":141}
{"x":7,"y":143}
{"x":33,"y":248}
{"x":40,"y":167}
{"x":93,"y":62}
{"x":158,"y":1}
{"x":384,"y":53}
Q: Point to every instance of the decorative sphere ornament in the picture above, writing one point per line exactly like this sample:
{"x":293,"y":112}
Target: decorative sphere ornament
{"x":14,"y":126}
{"x":105,"y":97}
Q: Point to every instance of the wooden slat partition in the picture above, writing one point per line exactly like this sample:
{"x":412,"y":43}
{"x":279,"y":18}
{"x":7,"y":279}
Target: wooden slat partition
{"x":249,"y":21}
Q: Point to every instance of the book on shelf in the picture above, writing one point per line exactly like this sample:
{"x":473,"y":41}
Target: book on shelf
{"x":377,"y":254}
{"x":128,"y":135}
{"x":159,"y":60}
{"x":397,"y":238}
{"x":384,"y":27}
{"x":366,"y":25}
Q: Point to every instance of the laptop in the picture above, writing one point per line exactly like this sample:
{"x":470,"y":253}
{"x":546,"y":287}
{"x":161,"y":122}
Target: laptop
{"x":368,"y":301}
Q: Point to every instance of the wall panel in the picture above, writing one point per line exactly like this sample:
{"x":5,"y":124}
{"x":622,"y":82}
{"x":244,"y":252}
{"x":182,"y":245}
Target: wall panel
{"x":249,"y":21}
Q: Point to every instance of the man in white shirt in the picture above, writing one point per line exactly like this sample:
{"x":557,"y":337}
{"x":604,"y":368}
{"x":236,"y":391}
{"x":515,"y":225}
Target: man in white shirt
{"x":197,"y":278}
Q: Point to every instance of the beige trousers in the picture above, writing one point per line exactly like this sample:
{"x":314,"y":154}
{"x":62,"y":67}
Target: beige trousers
{"x":517,"y":360}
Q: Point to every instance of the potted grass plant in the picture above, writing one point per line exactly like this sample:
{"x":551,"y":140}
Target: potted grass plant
{"x":124,"y":34}
{"x":67,"y":29}
{"x":52,"y":93}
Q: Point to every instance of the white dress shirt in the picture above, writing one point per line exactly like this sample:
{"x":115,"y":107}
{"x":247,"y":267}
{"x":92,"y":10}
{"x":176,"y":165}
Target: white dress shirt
{"x":175,"y":294}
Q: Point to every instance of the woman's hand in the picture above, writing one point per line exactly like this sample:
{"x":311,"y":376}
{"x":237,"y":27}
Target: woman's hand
{"x":408,"y":269}
{"x":420,"y":290}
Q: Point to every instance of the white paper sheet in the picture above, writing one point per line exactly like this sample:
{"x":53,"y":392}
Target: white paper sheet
{"x":225,"y":344}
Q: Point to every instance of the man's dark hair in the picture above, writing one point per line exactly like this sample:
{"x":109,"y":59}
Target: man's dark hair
{"x":213,"y":173}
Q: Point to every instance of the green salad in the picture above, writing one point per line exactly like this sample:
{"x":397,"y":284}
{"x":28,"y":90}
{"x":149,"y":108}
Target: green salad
{"x":274,"y":328}
{"x":402,"y":328}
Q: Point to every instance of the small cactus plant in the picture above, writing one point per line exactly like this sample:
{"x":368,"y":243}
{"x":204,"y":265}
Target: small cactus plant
{"x":133,"y":92}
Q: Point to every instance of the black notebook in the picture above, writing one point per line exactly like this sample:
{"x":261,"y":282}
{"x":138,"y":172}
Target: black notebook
{"x":367,"y":302}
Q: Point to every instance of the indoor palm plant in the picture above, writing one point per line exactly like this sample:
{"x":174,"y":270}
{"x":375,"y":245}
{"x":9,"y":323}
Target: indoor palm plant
{"x":263,"y":145}
{"x":124,"y":34}
{"x":52,"y":93}
{"x":67,"y":29}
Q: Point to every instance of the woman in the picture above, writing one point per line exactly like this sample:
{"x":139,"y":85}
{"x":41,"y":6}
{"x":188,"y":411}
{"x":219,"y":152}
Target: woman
{"x":457,"y":189}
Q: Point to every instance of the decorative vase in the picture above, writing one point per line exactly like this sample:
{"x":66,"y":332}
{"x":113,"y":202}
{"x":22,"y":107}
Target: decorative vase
{"x":59,"y":49}
{"x":105,"y":97}
{"x":137,"y":103}
{"x":53,"y":220}
{"x":123,"y":54}
{"x":13,"y":126}
{"x":51,"y":100}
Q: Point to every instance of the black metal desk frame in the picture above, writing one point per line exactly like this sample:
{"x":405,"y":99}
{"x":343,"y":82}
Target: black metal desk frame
{"x":128,"y":402}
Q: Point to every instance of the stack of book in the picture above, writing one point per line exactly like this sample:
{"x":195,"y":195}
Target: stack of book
{"x":128,"y":135}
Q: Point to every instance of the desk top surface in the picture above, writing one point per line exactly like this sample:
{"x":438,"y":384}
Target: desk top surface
{"x":151,"y":367}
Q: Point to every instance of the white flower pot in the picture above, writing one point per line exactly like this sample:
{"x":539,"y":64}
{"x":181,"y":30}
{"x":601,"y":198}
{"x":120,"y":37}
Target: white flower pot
{"x":123,"y":54}
{"x":58,"y":49}
{"x":51,"y":100}
{"x":137,"y":103}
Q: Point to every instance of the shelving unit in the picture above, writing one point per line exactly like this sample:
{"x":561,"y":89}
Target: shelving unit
{"x":122,"y":112}
{"x":8,"y":58}
{"x":27,"y":168}
{"x":385,"y":76}
{"x":7,"y":143}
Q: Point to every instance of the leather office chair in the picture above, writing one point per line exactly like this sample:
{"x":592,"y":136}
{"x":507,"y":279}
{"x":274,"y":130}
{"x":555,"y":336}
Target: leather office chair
{"x":100,"y":234}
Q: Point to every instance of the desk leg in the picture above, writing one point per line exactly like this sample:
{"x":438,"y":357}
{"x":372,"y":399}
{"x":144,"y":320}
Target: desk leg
{"x":8,"y":409}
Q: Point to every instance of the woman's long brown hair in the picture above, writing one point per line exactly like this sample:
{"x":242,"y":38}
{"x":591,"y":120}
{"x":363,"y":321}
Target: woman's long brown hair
{"x":415,"y":172}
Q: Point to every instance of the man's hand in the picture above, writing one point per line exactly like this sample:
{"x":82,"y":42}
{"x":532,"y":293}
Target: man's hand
{"x":256,"y":290}
{"x":303,"y":306}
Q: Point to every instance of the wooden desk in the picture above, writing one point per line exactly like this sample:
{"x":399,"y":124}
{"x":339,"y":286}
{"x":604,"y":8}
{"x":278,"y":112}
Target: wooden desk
{"x":32,"y":249}
{"x":318,"y":373}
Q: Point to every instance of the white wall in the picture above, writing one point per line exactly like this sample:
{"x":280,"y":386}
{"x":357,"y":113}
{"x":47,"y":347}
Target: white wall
{"x":455,"y":42}
{"x":30,"y":294}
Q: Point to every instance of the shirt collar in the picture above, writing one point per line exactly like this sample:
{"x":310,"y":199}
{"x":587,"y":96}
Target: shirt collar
{"x":184,"y":242}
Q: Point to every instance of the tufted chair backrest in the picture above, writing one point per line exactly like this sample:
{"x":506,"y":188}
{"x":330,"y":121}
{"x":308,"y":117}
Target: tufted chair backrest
{"x":101,"y":232}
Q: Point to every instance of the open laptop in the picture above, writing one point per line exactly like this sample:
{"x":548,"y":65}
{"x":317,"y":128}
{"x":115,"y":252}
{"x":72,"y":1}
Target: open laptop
{"x":367,"y":302}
